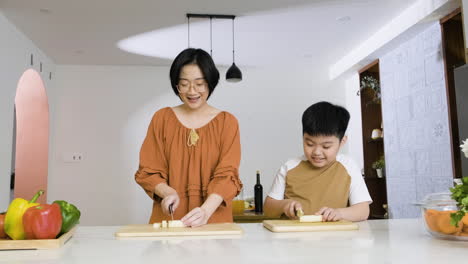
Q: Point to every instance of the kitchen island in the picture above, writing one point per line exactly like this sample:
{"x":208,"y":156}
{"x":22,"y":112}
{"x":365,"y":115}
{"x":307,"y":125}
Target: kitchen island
{"x":377,"y":241}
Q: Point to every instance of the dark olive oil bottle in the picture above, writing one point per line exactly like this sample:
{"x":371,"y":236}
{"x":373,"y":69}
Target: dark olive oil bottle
{"x":258,"y":195}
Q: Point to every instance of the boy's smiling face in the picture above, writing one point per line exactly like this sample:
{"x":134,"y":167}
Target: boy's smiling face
{"x":321,"y":151}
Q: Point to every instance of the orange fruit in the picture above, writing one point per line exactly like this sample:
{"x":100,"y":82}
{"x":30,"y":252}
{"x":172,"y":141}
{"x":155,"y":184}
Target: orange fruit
{"x":465,"y":228}
{"x":431,"y":216}
{"x":443,"y":223}
{"x":465,"y":219}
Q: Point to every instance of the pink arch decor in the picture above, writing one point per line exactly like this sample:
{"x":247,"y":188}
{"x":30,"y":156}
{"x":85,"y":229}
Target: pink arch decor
{"x":32,"y":136}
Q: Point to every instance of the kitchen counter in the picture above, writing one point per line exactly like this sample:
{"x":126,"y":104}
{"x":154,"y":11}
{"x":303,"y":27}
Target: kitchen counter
{"x":377,"y":241}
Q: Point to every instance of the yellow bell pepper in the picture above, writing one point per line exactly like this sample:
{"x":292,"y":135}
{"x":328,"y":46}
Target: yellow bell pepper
{"x":14,"y":216}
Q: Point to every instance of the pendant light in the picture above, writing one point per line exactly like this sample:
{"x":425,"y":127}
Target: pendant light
{"x":233,"y":74}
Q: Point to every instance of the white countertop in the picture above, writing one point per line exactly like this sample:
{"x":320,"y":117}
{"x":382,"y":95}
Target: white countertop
{"x":377,"y":241}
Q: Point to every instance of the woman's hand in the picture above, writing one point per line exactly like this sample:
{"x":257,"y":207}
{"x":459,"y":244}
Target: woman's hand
{"x":169,"y":196}
{"x":329,"y":214}
{"x":290,"y":207}
{"x":169,"y":199}
{"x":197,"y":217}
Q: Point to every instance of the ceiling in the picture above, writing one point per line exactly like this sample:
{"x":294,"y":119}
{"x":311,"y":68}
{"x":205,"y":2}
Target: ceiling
{"x":267,"y":32}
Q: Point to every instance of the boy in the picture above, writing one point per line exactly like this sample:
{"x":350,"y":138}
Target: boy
{"x":321,"y":182}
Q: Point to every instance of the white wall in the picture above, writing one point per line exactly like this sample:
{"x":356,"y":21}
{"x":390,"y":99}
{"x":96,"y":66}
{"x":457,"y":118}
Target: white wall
{"x":353,"y":104}
{"x":103,"y":112}
{"x":420,"y":10}
{"x":15,"y":52}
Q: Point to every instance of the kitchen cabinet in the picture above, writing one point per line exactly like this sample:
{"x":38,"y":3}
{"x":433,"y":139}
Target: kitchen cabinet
{"x":373,"y":148}
{"x":456,"y":82}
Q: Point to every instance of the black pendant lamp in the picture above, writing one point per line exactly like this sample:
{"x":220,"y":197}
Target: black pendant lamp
{"x":233,"y":74}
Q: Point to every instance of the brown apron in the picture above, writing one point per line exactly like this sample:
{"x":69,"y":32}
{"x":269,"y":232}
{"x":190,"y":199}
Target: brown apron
{"x":315,"y":188}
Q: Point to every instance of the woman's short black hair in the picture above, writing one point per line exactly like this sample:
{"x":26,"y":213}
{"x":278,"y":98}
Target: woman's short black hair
{"x":203,"y":60}
{"x":325,"y":119}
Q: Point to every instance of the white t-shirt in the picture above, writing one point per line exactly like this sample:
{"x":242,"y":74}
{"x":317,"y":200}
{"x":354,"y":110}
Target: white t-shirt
{"x":358,"y":192}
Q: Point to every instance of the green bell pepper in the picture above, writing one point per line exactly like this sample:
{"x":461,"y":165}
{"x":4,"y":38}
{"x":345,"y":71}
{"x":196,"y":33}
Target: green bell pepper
{"x":70,"y":215}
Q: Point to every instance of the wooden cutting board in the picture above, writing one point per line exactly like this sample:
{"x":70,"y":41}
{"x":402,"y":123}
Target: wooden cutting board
{"x":206,"y":230}
{"x":296,"y":226}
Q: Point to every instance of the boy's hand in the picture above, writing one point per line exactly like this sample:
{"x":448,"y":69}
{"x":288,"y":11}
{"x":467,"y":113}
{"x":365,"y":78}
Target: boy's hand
{"x":329,"y":214}
{"x":291,"y":207}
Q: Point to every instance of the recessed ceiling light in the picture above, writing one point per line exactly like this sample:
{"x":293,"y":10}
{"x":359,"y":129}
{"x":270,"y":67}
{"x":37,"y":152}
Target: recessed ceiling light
{"x":44,"y":11}
{"x":343,"y":19}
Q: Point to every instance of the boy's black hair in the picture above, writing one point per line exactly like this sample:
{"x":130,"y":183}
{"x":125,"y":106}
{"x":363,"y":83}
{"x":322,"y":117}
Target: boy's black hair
{"x":204,"y":62}
{"x":325,"y":119}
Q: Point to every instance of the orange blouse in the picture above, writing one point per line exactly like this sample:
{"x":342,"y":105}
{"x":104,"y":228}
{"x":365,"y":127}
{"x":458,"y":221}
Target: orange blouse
{"x":211,"y":166}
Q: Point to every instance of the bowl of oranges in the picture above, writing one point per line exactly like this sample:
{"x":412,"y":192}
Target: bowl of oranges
{"x":437,"y":209}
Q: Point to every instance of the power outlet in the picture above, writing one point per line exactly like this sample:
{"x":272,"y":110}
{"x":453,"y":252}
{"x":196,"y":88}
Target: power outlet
{"x":73,"y":157}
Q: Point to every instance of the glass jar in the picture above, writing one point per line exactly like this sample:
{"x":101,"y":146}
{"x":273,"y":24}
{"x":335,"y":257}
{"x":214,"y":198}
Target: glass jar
{"x":436,"y":209}
{"x":238,"y":204}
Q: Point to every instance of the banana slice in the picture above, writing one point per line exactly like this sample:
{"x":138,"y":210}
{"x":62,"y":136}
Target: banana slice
{"x":299,"y":213}
{"x":310,"y":218}
{"x":166,"y":224}
{"x":175,"y":223}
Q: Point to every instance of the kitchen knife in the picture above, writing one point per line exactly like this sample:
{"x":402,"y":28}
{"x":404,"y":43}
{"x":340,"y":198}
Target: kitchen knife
{"x":171,"y":211}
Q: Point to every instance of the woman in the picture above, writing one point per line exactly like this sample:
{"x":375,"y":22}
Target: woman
{"x":190,"y":157}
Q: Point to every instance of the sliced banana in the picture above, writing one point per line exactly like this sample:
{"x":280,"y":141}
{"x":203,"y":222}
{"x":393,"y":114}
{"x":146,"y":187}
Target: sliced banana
{"x":166,"y":224}
{"x":310,"y":218}
{"x":176,"y":223}
{"x":299,"y":213}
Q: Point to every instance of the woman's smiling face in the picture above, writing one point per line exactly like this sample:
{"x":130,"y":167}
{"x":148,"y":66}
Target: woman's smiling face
{"x":192,"y":87}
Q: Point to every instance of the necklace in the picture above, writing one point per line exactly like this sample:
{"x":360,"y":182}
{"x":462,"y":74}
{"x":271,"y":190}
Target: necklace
{"x":192,"y":138}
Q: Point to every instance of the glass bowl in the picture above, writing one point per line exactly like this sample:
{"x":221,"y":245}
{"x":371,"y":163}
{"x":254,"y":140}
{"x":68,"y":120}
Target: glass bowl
{"x":436,"y":209}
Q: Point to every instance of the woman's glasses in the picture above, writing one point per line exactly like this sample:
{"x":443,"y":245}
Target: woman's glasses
{"x":198,"y":85}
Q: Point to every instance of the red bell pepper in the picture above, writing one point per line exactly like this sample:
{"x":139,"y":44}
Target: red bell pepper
{"x":42,"y":221}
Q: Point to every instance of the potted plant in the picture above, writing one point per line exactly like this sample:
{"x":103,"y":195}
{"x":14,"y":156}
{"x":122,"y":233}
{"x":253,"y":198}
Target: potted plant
{"x":372,"y":83}
{"x":378,"y":165}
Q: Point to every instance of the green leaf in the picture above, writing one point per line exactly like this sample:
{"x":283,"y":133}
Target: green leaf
{"x":455,"y":218}
{"x":464,"y":201}
{"x":465,"y":180}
